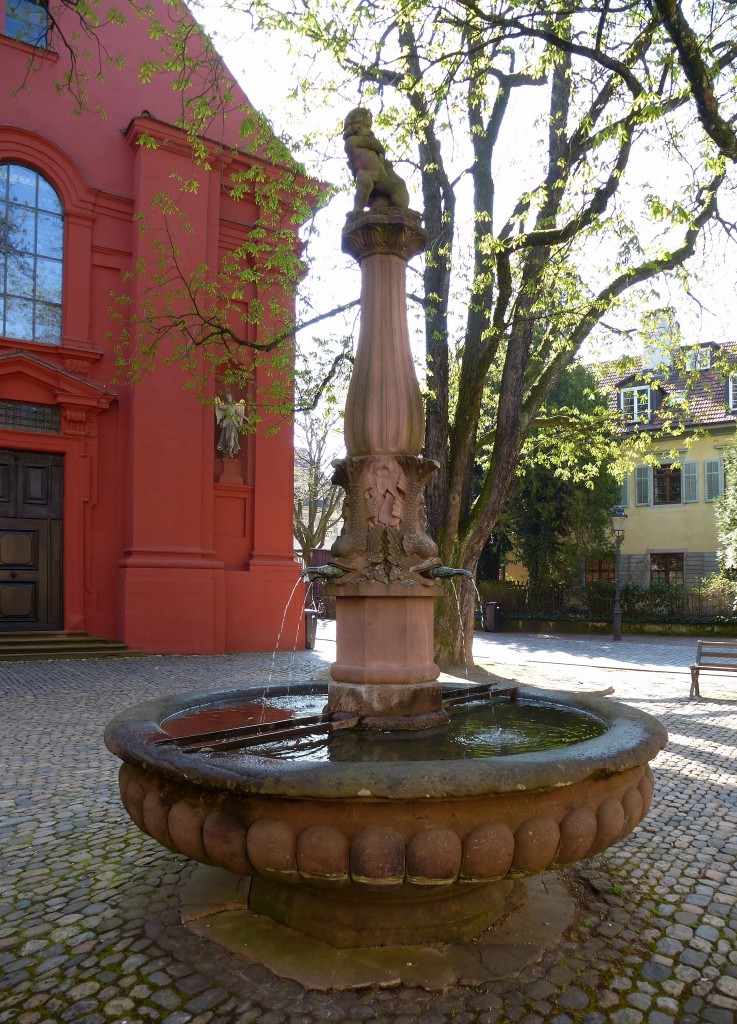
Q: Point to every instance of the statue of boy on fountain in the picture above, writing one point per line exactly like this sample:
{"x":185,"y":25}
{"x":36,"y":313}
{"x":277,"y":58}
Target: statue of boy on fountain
{"x":377,"y":183}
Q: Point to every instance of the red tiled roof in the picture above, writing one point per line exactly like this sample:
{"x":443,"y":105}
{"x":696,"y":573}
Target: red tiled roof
{"x":705,"y":391}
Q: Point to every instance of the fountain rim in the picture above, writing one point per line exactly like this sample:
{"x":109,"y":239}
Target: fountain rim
{"x":632,"y":738}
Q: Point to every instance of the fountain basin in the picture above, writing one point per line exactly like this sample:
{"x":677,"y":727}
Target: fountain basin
{"x":382,"y":853}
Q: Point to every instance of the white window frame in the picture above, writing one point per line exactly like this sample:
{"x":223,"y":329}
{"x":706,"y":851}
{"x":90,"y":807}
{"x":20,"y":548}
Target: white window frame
{"x":713,"y":475}
{"x":699,"y":359}
{"x":637,"y":413}
{"x":732,"y":393}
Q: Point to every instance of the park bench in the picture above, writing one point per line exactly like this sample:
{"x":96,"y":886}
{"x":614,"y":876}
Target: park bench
{"x":713,"y":656}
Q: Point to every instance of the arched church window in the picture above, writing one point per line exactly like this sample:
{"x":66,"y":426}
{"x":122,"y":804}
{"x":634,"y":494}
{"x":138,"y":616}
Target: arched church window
{"x":27,"y":21}
{"x":31,"y":254}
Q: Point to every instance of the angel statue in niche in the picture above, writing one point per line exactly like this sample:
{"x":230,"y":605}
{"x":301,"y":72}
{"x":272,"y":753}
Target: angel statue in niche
{"x":230,"y":416}
{"x":375,"y":177}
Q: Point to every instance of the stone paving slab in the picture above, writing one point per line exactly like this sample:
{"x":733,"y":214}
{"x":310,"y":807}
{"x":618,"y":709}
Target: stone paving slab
{"x":214,"y":905}
{"x":90,"y":927}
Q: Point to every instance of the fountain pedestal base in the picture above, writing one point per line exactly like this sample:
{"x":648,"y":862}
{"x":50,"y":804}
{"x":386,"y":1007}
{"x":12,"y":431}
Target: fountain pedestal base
{"x":384,"y":672}
{"x":388,"y":706}
{"x":351,"y":919}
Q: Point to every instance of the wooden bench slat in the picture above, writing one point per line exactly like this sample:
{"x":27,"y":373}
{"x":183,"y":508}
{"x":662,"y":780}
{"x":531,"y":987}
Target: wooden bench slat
{"x":712,"y":656}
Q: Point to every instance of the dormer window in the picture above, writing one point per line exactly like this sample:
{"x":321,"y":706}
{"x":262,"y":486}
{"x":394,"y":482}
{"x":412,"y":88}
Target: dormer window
{"x":27,"y":21}
{"x":732,"y":393}
{"x":698,"y":359}
{"x":636,"y":403}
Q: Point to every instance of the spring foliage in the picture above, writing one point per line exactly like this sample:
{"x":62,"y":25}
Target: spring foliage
{"x":564,"y":171}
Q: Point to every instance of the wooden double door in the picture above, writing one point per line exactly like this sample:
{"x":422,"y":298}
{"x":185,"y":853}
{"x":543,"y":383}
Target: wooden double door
{"x":31,"y":493}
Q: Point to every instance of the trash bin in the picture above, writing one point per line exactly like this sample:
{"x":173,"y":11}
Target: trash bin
{"x":492,"y":617}
{"x":311,"y":617}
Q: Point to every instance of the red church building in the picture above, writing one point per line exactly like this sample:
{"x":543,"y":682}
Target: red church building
{"x":118,"y":514}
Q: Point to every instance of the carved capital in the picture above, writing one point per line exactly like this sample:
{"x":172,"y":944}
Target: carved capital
{"x":387,"y":231}
{"x":79,"y":421}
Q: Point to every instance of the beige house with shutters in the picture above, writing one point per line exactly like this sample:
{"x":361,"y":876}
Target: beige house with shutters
{"x":670,"y":533}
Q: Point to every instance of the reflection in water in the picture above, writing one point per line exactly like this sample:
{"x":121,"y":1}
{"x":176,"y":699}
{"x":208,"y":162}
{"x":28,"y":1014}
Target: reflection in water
{"x":485,"y":729}
{"x":232,"y":716}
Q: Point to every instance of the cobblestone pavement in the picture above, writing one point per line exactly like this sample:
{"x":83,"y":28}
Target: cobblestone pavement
{"x":89,"y":925}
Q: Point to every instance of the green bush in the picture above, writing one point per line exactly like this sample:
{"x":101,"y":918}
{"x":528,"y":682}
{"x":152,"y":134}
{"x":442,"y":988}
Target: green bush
{"x":654,"y":602}
{"x":721,"y":587}
{"x":711,"y":603}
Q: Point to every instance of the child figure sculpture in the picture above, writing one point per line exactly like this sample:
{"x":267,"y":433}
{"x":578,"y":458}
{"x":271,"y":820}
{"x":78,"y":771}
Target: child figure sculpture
{"x":375,"y":177}
{"x":230,"y":416}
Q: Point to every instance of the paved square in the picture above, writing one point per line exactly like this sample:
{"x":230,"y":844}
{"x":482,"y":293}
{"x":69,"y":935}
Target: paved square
{"x":89,"y":907}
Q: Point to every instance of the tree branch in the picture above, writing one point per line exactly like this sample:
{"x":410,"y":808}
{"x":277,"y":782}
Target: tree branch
{"x":690,"y":52}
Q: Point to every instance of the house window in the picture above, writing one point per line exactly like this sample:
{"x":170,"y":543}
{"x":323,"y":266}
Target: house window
{"x":666,"y":485}
{"x":732,"y":393}
{"x":31,"y":251}
{"x":666,"y":568}
{"x":713,"y":479}
{"x":27,"y":21}
{"x":699,"y":359}
{"x":636,"y":403}
{"x":600,"y":569}
{"x":41,"y":419}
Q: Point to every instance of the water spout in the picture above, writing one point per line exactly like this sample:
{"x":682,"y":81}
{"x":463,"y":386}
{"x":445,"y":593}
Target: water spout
{"x":445,"y":572}
{"x":322,"y":572}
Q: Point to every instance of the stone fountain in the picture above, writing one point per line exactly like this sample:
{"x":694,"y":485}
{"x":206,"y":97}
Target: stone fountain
{"x":361,"y":817}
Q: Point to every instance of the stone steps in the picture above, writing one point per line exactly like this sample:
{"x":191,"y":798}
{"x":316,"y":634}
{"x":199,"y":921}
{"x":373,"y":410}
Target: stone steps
{"x":50,"y":644}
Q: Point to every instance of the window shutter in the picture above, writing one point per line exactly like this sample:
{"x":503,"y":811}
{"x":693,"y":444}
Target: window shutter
{"x":642,"y":485}
{"x":624,"y":494}
{"x":690,"y":475}
{"x":712,"y":479}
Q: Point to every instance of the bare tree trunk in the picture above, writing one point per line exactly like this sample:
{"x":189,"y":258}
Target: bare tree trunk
{"x":455,"y":621}
{"x":439,"y":214}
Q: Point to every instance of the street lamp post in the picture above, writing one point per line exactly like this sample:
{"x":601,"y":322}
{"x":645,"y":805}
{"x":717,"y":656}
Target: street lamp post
{"x":619,"y":517}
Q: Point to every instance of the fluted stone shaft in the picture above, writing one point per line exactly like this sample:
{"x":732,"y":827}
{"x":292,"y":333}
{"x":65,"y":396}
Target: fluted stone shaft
{"x":384,"y":413}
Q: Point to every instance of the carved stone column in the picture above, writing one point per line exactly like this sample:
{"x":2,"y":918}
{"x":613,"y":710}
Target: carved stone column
{"x":384,"y":671}
{"x":384,"y":413}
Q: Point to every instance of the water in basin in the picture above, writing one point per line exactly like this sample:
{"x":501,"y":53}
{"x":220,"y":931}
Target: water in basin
{"x":482,"y":729}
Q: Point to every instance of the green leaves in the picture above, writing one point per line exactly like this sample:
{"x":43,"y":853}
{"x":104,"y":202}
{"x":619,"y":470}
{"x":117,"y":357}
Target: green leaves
{"x":725,"y":513}
{"x":147,"y":141}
